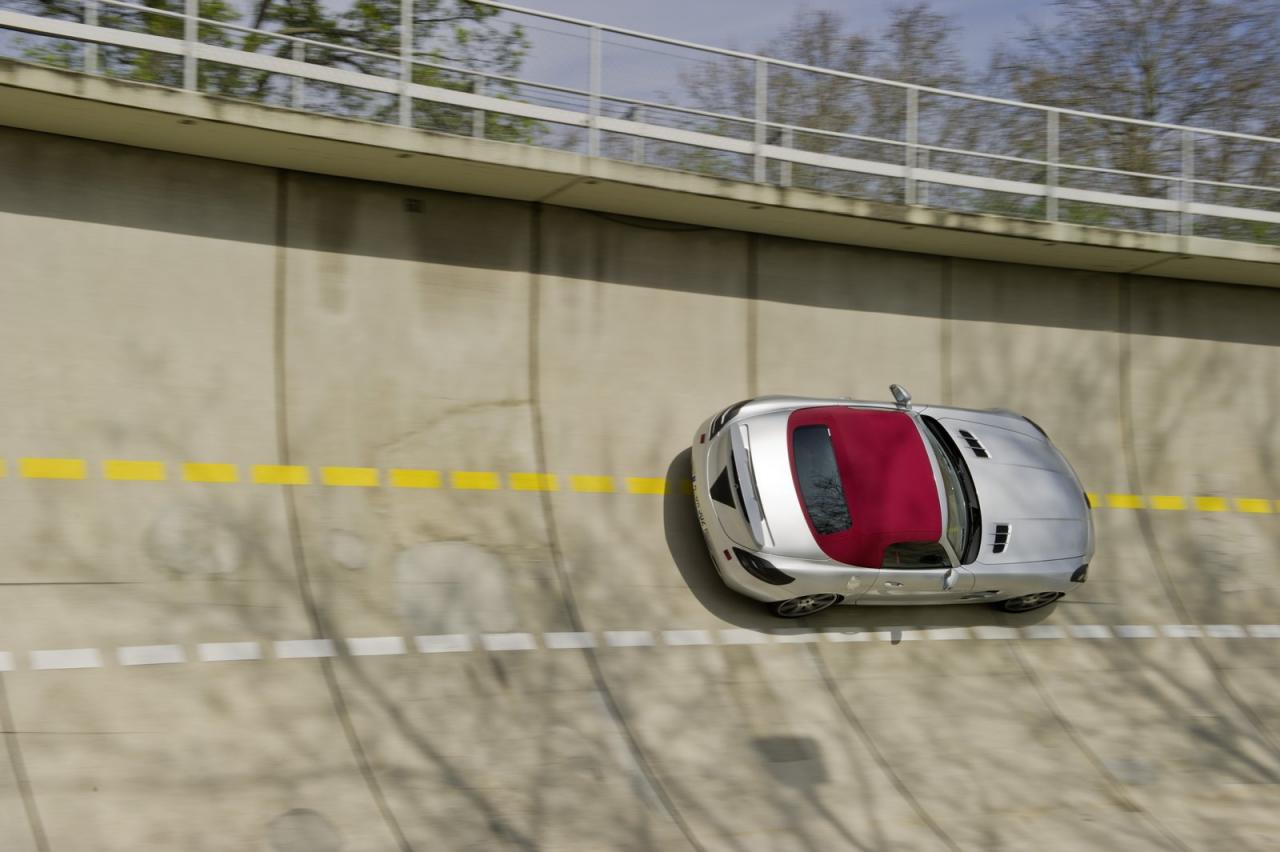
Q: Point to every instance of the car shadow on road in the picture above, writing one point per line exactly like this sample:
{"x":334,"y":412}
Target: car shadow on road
{"x":689,"y":551}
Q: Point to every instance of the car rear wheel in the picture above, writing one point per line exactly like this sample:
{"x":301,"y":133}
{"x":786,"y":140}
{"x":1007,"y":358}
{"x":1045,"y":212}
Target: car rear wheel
{"x":1026,"y":603}
{"x":805,"y":605}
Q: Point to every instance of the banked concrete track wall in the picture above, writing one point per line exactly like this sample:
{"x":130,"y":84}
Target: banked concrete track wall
{"x":182,"y":338}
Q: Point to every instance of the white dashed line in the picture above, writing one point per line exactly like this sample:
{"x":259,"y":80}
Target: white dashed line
{"x":786,"y":636}
{"x":686,"y":637}
{"x":895,"y":635}
{"x":67,"y":658}
{"x":508,"y":642}
{"x":443,"y":643}
{"x":847,"y":635}
{"x":949,"y":633}
{"x":742,"y":637}
{"x":150,"y":655}
{"x":210,"y":652}
{"x":1043,"y":631}
{"x":566,"y":641}
{"x":226,"y":652}
{"x":303,"y":649}
{"x":628,"y":638}
{"x":375,"y":646}
{"x":985,"y":631}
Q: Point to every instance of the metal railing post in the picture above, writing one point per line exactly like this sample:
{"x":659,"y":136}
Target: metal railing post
{"x":761,"y":118}
{"x":190,"y":34}
{"x":922,"y":189}
{"x":1051,"y":170}
{"x":298,"y":52}
{"x":91,"y":48}
{"x":1185,"y":219}
{"x":637,"y":144}
{"x":912,"y":131}
{"x":478,"y":116}
{"x":406,"y":62}
{"x":593,"y":129}
{"x":788,"y":141}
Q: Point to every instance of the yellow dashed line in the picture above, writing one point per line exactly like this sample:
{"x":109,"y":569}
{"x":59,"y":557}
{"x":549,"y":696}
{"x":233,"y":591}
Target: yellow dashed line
{"x":206,"y":472}
{"x":646,"y":485}
{"x":475,"y":480}
{"x":281,"y":474}
{"x":487,"y":480}
{"x":358,"y":477}
{"x":52,"y":468}
{"x":592,"y":484}
{"x":534,"y":482}
{"x":1211,"y":504}
{"x":404,"y":477}
{"x":134,"y":471}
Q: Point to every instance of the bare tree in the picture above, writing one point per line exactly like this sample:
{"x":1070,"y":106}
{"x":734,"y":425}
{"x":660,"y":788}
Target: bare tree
{"x":916,"y":46}
{"x":1209,"y":63}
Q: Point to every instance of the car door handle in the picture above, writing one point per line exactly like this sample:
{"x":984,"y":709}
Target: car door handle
{"x":892,"y":585}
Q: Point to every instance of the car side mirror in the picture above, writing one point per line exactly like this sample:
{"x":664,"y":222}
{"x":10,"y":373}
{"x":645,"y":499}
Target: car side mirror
{"x":949,"y":579}
{"x":900,"y":396}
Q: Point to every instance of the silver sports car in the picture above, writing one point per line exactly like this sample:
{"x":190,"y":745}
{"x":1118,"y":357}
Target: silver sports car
{"x":808,"y":503}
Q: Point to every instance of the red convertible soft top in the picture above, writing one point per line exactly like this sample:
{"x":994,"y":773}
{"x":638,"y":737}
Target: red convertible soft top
{"x":887,"y":479}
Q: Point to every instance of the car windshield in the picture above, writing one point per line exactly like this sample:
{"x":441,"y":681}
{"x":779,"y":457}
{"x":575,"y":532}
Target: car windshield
{"x":819,"y":478}
{"x":959,"y":516}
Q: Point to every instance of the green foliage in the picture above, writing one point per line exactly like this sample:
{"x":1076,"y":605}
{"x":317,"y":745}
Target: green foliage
{"x":452,"y":40}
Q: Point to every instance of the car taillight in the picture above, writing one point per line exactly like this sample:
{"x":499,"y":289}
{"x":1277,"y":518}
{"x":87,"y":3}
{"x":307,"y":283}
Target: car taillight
{"x":761,"y":569}
{"x":1080,"y":574}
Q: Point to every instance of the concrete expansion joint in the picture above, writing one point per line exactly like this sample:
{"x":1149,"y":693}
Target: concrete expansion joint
{"x":511,"y":642}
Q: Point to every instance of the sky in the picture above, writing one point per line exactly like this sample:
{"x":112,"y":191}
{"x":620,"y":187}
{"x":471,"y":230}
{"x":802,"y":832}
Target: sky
{"x":745,"y":24}
{"x":648,"y":71}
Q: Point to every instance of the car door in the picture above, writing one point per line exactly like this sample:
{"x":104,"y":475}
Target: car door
{"x":916,"y":573}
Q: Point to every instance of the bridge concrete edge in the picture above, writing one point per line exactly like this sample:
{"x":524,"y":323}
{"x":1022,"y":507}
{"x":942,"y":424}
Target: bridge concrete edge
{"x":68,"y":103}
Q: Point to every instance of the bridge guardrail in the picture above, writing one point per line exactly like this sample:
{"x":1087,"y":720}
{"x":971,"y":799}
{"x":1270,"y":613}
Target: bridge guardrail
{"x":919,"y":146}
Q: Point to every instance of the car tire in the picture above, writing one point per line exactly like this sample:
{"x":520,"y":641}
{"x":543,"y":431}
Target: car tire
{"x":805,"y":605}
{"x":1027,"y":603}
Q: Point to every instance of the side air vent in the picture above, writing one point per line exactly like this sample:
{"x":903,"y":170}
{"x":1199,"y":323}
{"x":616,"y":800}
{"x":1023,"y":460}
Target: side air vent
{"x":1001,"y":539}
{"x":975,"y":445}
{"x":721,"y":491}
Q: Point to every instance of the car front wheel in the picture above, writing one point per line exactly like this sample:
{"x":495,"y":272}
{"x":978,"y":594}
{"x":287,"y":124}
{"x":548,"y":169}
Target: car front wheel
{"x":1026,"y":603}
{"x":805,"y":605}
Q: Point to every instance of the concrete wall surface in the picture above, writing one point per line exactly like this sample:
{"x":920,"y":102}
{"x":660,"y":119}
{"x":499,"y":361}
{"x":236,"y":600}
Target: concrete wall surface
{"x":340,"y":515}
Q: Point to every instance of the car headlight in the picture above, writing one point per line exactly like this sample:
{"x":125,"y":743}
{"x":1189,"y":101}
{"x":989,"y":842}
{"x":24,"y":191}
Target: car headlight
{"x":724,"y":417}
{"x":761,"y":569}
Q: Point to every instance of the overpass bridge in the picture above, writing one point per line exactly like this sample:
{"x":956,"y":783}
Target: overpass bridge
{"x":343,"y":492}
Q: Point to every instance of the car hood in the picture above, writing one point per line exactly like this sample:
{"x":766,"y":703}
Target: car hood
{"x":1025,"y":484}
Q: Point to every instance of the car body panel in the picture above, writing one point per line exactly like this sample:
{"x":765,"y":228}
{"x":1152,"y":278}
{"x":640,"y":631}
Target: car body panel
{"x":1024,"y":482}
